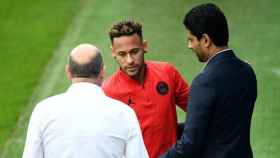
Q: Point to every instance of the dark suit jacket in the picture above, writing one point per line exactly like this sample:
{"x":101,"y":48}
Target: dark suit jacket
{"x":220,"y":108}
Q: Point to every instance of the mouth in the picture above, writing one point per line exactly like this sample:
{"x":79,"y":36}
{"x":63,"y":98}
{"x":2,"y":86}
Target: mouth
{"x":132,"y":69}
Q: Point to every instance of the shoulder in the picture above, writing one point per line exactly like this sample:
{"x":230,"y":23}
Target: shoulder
{"x":55,"y":99}
{"x":159,"y":65}
{"x":47,"y":104}
{"x":44,"y":108}
{"x":111,"y":79}
{"x":247,"y":72}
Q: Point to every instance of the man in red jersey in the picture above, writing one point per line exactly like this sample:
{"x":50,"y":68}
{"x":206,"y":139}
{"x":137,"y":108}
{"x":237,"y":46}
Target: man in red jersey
{"x":152,"y":89}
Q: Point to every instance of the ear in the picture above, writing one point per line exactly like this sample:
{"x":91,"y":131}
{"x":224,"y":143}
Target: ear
{"x":206,"y":40}
{"x":113,"y":53}
{"x":100,"y":77}
{"x":68,"y":73}
{"x":145,"y":46}
{"x":102,"y":73}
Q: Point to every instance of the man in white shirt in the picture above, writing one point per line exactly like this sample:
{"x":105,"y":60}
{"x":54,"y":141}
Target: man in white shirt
{"x":83,"y":122}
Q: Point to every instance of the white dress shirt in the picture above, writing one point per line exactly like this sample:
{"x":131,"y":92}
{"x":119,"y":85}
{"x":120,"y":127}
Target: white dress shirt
{"x":83,"y":123}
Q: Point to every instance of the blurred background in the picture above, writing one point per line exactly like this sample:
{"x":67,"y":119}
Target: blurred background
{"x":36,"y":37}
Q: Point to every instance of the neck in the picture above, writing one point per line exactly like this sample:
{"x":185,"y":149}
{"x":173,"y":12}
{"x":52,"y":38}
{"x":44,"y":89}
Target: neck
{"x":90,"y":80}
{"x":141,"y":76}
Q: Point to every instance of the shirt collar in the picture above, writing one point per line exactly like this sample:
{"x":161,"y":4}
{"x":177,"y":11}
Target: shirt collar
{"x":85,"y":87}
{"x":219,"y":52}
{"x":131,"y":80}
{"x":222,"y":51}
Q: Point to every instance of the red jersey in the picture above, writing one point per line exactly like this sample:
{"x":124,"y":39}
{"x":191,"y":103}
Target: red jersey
{"x":154,"y":102}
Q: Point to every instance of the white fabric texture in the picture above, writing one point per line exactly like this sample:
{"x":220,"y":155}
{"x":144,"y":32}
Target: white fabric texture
{"x":83,"y":123}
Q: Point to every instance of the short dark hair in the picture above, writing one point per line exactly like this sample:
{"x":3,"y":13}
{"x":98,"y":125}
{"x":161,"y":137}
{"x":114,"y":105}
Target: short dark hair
{"x":90,"y":69}
{"x":125,"y":28}
{"x":208,"y":19}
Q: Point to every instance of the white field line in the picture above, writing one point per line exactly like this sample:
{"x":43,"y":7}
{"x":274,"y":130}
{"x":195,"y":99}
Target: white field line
{"x":53,"y":72}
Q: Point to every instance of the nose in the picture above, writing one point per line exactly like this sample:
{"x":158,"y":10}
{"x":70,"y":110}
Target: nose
{"x":189,"y":45}
{"x":129,"y":59}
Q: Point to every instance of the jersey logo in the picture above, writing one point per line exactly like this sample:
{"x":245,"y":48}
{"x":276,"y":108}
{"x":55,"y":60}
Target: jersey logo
{"x":162,"y":88}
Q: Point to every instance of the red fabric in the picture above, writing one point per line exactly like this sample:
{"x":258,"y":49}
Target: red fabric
{"x":156,"y":112}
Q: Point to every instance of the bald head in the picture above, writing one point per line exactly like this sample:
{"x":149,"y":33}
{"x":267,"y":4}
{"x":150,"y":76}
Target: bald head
{"x":85,"y":61}
{"x":83,"y":53}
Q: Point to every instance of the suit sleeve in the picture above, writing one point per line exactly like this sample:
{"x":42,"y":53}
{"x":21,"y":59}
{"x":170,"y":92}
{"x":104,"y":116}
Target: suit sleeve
{"x":33,"y":145}
{"x":135,"y":147}
{"x":197,"y":122}
{"x":181,"y":89}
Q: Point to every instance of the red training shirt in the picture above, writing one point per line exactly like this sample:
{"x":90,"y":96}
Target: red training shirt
{"x":153,"y":102}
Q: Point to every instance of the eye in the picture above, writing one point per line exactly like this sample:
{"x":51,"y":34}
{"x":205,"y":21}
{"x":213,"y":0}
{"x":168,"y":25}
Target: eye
{"x":122,"y":54}
{"x":134,"y":51}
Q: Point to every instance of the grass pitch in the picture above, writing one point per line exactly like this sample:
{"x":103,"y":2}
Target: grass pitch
{"x":254,"y":32}
{"x":29,"y":32}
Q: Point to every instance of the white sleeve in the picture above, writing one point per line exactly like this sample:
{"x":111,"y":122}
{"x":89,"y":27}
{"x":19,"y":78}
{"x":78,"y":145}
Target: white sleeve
{"x":135,"y":147}
{"x":33,"y":146}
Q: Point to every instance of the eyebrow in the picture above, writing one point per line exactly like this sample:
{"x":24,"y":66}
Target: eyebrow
{"x":138,"y":48}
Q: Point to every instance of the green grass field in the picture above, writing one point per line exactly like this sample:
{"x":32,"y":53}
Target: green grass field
{"x":29,"y":32}
{"x":254,"y":30}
